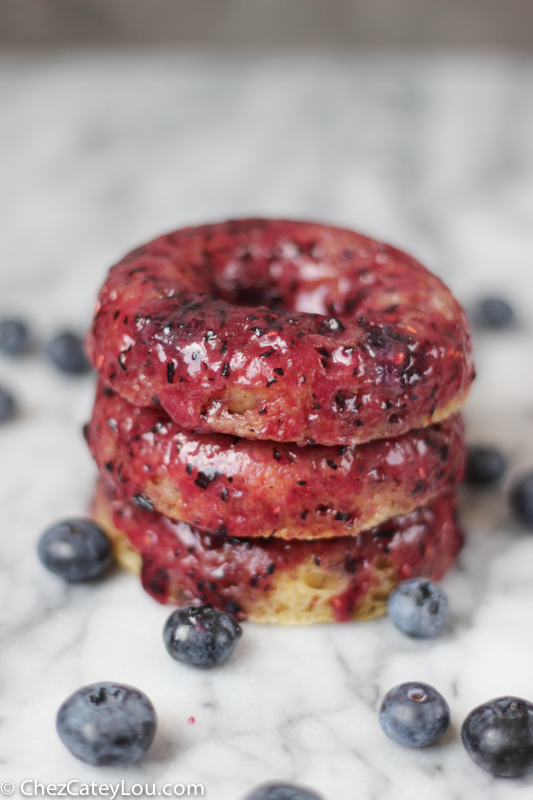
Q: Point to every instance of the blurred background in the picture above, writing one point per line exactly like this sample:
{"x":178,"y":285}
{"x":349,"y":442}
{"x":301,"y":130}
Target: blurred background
{"x":269,"y":23}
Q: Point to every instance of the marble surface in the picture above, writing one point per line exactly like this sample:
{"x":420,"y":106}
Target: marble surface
{"x":100,"y":151}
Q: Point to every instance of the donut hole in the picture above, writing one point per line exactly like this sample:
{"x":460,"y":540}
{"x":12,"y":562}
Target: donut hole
{"x":256,"y":297}
{"x":277,"y":280}
{"x":248,"y":283}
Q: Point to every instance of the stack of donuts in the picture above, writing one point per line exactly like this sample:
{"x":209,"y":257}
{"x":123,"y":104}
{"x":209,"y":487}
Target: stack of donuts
{"x":277,"y":420}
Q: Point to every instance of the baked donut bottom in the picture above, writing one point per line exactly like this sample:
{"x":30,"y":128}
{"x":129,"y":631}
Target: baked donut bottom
{"x":272,"y":580}
{"x":226,"y":485}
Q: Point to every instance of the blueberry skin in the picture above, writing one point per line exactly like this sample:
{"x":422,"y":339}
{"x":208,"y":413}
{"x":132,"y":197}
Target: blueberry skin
{"x":418,"y":607}
{"x":76,"y":549}
{"x":484,"y":465}
{"x":14,"y":337}
{"x":8,"y":406}
{"x":67,"y":353}
{"x":493,"y":312}
{"x":281,"y":791}
{"x":498,"y":736}
{"x":521,"y":499}
{"x":414,"y":714}
{"x":201,"y":636}
{"x":107,"y":724}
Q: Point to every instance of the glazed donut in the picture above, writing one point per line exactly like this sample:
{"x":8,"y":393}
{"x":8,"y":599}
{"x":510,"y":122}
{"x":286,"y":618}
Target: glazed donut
{"x":288,"y":331}
{"x":248,"y":488}
{"x":277,"y":581}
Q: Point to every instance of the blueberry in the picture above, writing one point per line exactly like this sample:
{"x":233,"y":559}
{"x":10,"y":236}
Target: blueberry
{"x":76,"y":549}
{"x":484,"y":465}
{"x":281,"y":791}
{"x":493,"y":312}
{"x":498,"y":736}
{"x":418,"y":607}
{"x":67,"y":353}
{"x":201,"y":636}
{"x":414,"y":714}
{"x":521,"y":498}
{"x":107,"y":724}
{"x":7,"y":406}
{"x":14,"y":337}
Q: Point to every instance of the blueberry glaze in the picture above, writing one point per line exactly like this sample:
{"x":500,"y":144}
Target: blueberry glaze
{"x":258,"y":488}
{"x":181,"y":564}
{"x":287,"y":331}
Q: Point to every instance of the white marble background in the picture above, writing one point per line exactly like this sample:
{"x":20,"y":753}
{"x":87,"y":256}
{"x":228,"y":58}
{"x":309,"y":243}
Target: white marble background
{"x":99,"y":152}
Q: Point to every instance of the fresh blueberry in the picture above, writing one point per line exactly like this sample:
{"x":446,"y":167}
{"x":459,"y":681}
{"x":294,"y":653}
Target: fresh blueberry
{"x":484,"y":465}
{"x":76,"y":549}
{"x":418,"y":607}
{"x":107,"y":724}
{"x":67,"y":353}
{"x":281,"y":791}
{"x":521,"y":498}
{"x":7,"y":406}
{"x":201,"y":636}
{"x":14,"y":337}
{"x":493,"y":312}
{"x":414,"y":714}
{"x":498,"y":736}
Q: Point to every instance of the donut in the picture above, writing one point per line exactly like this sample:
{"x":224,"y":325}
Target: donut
{"x":226,"y":485}
{"x":281,"y":330}
{"x":272,"y":580}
